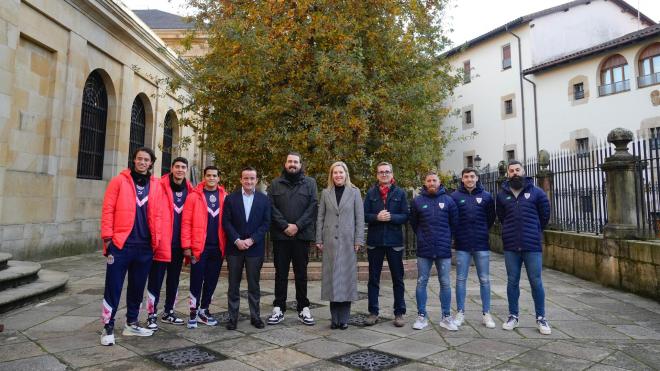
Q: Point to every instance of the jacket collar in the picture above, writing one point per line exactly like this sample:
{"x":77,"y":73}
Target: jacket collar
{"x":477,"y":189}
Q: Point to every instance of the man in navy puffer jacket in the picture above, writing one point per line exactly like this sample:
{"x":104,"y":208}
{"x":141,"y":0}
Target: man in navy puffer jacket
{"x":523,"y":210}
{"x":476,"y":214}
{"x":433,"y":217}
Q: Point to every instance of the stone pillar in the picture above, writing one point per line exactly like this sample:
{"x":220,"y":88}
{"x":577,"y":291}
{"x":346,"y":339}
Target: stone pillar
{"x":545,"y":177}
{"x":501,"y":171}
{"x":620,"y":172}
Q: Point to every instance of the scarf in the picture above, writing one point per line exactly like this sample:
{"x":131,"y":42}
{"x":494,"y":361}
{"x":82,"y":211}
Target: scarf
{"x":384,"y":190}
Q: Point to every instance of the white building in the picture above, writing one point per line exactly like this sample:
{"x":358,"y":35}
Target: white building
{"x":499,"y":81}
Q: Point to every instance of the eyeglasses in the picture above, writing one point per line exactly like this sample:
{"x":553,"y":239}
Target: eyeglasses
{"x":384,"y":172}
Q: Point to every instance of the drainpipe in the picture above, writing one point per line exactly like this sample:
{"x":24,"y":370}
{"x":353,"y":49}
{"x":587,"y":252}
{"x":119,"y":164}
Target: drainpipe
{"x":536,"y":116}
{"x":522,"y":94}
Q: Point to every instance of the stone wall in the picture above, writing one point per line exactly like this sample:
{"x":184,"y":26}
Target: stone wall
{"x":629,"y":265}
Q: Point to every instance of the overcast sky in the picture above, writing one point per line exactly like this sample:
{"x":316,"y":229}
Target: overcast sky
{"x":467,"y":18}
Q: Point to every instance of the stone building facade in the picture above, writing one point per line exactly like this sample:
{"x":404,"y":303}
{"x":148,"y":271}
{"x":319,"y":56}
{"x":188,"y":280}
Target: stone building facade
{"x":79,"y":88}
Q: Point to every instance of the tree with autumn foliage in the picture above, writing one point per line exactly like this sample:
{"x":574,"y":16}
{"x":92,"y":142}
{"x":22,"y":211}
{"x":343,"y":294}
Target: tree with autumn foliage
{"x":360,"y":81}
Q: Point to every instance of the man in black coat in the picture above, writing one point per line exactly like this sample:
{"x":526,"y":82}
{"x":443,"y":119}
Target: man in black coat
{"x":294,"y":202}
{"x":245,"y":219}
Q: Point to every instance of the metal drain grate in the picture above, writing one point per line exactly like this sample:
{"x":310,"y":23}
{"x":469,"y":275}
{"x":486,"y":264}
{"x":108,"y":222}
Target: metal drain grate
{"x":223,"y":317}
{"x":186,"y":357}
{"x":293,"y":305}
{"x":358,"y":319}
{"x":244,"y":293}
{"x":369,"y":359}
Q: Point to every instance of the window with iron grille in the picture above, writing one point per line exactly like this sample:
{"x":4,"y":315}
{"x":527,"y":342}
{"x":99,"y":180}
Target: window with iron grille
{"x":138,"y":127}
{"x":508,"y":106}
{"x":510,"y":155}
{"x":167,"y":143}
{"x":469,"y":161}
{"x":466,"y":72}
{"x":582,"y":147}
{"x":468,"y":117}
{"x":654,"y":140}
{"x":506,"y":56}
{"x":578,"y":91}
{"x":93,"y":116}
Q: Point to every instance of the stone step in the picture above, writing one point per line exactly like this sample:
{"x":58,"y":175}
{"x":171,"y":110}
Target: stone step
{"x":48,"y":283}
{"x":18,"y":273}
{"x":4,"y":258}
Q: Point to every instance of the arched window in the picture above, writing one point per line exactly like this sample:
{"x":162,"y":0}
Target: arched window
{"x":167,"y":142}
{"x":138,"y":127}
{"x":614,"y":75}
{"x":649,"y":66}
{"x":94,"y":113}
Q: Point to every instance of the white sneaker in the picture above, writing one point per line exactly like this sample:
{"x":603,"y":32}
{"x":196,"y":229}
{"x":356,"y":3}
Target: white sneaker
{"x":135,"y":330}
{"x":543,"y":325}
{"x":107,"y":339}
{"x":459,"y":318}
{"x":421,"y":322}
{"x":277,"y":316}
{"x":448,"y":323}
{"x":510,"y":323}
{"x":305,"y":316}
{"x":488,"y":320}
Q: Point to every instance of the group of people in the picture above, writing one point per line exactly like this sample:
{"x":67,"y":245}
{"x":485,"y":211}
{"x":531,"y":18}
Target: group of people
{"x":151,"y":226}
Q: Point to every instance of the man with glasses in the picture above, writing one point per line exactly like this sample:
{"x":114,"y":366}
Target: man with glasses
{"x":385,"y":211}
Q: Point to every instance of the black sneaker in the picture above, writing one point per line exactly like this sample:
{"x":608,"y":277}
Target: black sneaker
{"x":171,"y":318}
{"x":205,"y":317}
{"x":152,"y":322}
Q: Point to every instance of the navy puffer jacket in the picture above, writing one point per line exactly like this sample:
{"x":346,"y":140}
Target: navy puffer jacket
{"x":385,"y":233}
{"x":433,"y":218}
{"x":523,"y":218}
{"x":476,"y":214}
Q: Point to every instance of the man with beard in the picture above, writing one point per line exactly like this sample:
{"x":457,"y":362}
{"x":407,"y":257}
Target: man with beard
{"x":524,"y":211}
{"x":294,"y":201}
{"x":130,"y":223}
{"x":174,"y":191}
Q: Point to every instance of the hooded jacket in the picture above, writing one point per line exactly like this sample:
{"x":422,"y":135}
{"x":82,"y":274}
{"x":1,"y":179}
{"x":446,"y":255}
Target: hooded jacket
{"x":434,"y":219}
{"x":523,"y":218}
{"x":118,"y":213}
{"x":476,"y":214}
{"x":167,"y":222}
{"x":385,"y":233}
{"x":195,"y":218}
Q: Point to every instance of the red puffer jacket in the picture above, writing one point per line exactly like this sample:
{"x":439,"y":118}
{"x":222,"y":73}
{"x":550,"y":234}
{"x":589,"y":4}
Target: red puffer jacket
{"x":118,"y":213}
{"x":195,"y":218}
{"x":164,"y":253}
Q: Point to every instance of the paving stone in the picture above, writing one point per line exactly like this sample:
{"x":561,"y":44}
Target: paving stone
{"x":533,"y":333}
{"x":206,"y":334}
{"x":14,"y":351}
{"x":599,"y":367}
{"x":285,"y":336}
{"x":647,"y":353}
{"x":528,"y":343}
{"x":227,"y":364}
{"x":324,"y":349}
{"x":26,"y":319}
{"x":492,"y":349}
{"x":240,"y":346}
{"x":11,"y":337}
{"x":550,"y":361}
{"x":453,"y":359}
{"x":277,"y":359}
{"x":322,"y":366}
{"x":571,"y":349}
{"x":130,"y":364}
{"x":508,"y":366}
{"x":622,"y":360}
{"x":361,"y":337}
{"x":159,"y":342}
{"x":58,"y":325}
{"x":408,"y":348}
{"x":588,"y":330}
{"x":95,"y":355}
{"x":429,"y":337}
{"x":77,"y":341}
{"x":454,"y":342}
{"x":638,"y":332}
{"x":418,"y":366}
{"x":45,"y":363}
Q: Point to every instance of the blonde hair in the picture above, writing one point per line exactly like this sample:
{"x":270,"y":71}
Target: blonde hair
{"x":331,"y":183}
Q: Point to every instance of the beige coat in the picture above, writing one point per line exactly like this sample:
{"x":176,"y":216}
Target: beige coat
{"x":339,"y":228}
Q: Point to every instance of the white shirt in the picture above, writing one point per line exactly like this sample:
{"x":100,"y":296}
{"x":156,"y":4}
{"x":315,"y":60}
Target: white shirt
{"x":247,"y":202}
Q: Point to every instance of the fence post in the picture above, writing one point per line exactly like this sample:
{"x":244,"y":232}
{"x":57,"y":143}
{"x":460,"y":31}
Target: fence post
{"x":501,"y":172}
{"x":621,"y":187}
{"x":544,"y":176}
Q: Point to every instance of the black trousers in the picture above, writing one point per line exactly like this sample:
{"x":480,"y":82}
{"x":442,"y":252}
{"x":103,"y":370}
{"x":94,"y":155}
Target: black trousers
{"x":340,"y":311}
{"x":285,"y":253}
{"x":252,"y":264}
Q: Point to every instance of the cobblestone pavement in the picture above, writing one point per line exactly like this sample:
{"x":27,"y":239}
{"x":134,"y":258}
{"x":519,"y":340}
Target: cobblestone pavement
{"x":593,"y":327}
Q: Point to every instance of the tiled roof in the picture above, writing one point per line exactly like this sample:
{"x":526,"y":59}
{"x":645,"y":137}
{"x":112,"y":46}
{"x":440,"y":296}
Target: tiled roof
{"x":158,"y":19}
{"x":630,"y":38}
{"x":529,"y":17}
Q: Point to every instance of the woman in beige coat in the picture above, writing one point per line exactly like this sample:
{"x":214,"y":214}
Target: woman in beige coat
{"x":339,"y":234}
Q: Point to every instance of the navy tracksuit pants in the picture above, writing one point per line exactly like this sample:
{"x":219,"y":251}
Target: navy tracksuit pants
{"x":204,"y":277}
{"x":136,"y":261}
{"x":156,"y":276}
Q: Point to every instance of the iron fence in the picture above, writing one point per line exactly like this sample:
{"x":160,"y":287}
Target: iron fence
{"x":647,"y":151}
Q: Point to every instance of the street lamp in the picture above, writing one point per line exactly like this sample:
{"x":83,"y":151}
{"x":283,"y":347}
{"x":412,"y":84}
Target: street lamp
{"x":477,"y":162}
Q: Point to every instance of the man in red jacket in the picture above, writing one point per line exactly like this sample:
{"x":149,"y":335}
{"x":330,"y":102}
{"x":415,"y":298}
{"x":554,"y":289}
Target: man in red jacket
{"x":130,"y":231}
{"x":203,"y":240}
{"x":174,"y":191}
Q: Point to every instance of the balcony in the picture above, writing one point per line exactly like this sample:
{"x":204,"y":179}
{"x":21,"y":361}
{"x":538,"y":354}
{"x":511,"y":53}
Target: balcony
{"x":614,"y":88}
{"x":648,"y":80}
